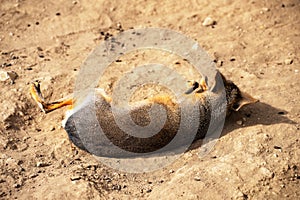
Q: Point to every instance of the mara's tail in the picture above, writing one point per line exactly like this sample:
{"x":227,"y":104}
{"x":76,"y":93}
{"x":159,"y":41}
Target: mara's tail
{"x":46,"y":107}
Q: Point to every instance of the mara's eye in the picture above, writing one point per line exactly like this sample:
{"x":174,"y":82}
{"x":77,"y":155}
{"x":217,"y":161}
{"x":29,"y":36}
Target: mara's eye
{"x":195,"y":85}
{"x":235,"y":106}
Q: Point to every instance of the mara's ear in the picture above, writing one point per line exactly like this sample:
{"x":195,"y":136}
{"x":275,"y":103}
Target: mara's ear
{"x":244,"y":100}
{"x":203,"y":83}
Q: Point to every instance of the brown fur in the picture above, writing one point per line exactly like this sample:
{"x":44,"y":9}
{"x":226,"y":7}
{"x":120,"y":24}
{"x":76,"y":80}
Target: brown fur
{"x":140,"y":115}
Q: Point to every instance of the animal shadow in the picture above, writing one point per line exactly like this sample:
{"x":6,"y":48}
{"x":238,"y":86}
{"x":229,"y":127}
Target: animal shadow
{"x":255,"y":114}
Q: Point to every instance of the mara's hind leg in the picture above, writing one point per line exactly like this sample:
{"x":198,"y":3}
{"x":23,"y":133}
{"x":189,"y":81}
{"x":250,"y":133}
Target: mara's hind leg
{"x":36,"y":94}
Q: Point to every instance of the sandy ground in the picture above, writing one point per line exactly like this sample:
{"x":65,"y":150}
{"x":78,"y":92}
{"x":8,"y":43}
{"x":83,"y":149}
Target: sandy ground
{"x":255,"y":43}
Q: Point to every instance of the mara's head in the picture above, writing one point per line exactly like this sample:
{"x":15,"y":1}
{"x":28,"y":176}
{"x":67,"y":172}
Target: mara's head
{"x":236,"y":99}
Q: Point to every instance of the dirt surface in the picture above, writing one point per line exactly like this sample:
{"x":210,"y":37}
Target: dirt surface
{"x":255,"y":44}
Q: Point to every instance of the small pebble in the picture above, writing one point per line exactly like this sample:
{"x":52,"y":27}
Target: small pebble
{"x":149,"y":190}
{"x":119,"y":27}
{"x":52,"y":128}
{"x":5,"y":75}
{"x":288,"y":61}
{"x":296,"y":70}
{"x":33,"y":175}
{"x":266,"y":172}
{"x":41,"y":164}
{"x":239,"y":122}
{"x":266,"y":9}
{"x":75,"y":178}
{"x":17,"y":185}
{"x":232,"y":59}
{"x":171,"y":171}
{"x":21,"y":113}
{"x":239,"y":195}
{"x":197,"y":178}
{"x":208,"y":21}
